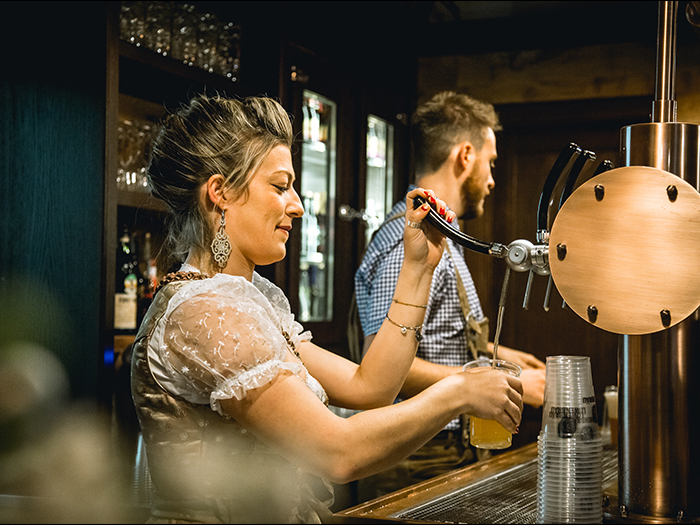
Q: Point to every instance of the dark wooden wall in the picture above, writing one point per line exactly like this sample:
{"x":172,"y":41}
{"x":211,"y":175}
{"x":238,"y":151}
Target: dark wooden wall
{"x":52,"y":99}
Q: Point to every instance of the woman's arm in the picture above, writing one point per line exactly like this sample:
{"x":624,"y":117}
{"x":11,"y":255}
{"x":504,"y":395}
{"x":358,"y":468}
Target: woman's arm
{"x":377,"y":381}
{"x":425,"y":373}
{"x":287,"y":415}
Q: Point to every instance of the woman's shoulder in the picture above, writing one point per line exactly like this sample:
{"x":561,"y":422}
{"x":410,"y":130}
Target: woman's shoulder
{"x":221,"y":291}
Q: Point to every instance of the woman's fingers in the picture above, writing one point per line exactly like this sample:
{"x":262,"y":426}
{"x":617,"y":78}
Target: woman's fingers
{"x":417,"y":215}
{"x":502,"y":396}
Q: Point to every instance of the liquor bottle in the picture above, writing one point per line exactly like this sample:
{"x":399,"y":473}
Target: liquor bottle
{"x":150,"y":281}
{"x":126,"y":286}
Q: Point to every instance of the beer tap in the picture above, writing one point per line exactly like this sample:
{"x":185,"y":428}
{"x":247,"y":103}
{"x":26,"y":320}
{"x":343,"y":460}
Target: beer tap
{"x":522,"y":255}
{"x":571,"y":151}
{"x":580,"y":163}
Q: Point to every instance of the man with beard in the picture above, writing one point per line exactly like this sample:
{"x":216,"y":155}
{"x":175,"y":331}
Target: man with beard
{"x":454,"y":147}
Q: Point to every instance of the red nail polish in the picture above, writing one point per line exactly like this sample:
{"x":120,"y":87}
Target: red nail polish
{"x":450,"y":219}
{"x":442,"y":210}
{"x":425,"y":206}
{"x":431,"y":199}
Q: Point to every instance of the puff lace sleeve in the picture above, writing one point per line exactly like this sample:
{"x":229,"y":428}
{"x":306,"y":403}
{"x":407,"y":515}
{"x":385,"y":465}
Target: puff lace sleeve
{"x":222,"y":337}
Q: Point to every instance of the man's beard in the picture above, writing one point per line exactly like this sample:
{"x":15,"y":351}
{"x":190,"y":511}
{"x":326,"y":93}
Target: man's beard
{"x":474,"y":205}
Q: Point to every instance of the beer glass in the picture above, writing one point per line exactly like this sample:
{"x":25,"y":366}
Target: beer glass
{"x":487,"y":433}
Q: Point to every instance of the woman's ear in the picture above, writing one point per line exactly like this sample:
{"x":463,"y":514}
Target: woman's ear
{"x":215,"y":190}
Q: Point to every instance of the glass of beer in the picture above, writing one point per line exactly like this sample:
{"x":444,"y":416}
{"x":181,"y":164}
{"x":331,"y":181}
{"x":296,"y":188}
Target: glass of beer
{"x":487,"y":433}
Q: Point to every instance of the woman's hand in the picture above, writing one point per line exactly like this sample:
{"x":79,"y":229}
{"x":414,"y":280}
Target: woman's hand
{"x":423,"y":244}
{"x":493,"y":394}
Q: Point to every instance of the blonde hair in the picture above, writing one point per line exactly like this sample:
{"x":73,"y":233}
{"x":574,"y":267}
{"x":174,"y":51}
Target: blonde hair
{"x":208,"y":136}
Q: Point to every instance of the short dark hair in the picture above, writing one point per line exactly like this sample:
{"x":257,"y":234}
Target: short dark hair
{"x":444,"y":121}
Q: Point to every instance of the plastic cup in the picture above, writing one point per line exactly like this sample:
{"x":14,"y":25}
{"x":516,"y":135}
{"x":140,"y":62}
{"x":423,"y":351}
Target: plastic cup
{"x":487,"y":433}
{"x":569,"y":408}
{"x":570,"y":445}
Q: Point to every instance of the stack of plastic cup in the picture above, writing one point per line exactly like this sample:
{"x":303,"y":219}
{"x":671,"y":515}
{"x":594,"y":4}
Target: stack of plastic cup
{"x":570,"y":448}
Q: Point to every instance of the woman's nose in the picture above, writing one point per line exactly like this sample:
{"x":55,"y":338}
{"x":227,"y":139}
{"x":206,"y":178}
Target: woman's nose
{"x":295,"y":208}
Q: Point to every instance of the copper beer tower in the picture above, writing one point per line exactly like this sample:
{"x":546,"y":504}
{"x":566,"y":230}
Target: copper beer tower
{"x":659,"y":386}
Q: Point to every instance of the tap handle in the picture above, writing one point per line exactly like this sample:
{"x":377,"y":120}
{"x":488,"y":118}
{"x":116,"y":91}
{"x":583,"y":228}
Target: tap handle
{"x":546,"y":295}
{"x":576,"y":170}
{"x":528,"y":288}
{"x":550,"y":183}
{"x":603,"y":167}
{"x":440,"y":224}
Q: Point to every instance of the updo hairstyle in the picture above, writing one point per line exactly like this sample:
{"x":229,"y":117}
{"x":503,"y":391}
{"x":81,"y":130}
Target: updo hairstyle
{"x":208,"y":136}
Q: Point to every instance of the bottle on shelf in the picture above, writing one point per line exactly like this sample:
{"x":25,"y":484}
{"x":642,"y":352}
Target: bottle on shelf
{"x":129,"y":282}
{"x":150,"y":279}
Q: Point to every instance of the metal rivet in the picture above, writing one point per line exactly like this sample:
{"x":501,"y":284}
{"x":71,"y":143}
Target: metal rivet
{"x":665,"y":317}
{"x":561,"y":251}
{"x":623,"y":511}
{"x":599,"y":192}
{"x":592,"y":313}
{"x":672,"y":193}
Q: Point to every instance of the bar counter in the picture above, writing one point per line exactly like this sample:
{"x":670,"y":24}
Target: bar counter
{"x":500,"y":490}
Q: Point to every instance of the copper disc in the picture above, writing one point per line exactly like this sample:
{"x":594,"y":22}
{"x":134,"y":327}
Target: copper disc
{"x":632,"y":250}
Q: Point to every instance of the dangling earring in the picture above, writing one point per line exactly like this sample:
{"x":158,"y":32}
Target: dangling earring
{"x":220,"y":246}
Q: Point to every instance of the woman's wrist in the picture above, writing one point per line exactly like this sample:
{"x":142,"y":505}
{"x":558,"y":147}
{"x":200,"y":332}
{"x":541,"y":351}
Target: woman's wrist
{"x":418,"y":273}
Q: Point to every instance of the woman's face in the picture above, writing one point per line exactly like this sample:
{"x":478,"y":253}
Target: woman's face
{"x":259,"y":224}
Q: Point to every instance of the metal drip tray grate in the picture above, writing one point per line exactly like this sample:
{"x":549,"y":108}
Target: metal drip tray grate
{"x":508,"y":497}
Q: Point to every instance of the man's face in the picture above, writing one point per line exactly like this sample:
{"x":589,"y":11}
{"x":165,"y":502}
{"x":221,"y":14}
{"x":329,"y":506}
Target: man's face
{"x":480,"y":182}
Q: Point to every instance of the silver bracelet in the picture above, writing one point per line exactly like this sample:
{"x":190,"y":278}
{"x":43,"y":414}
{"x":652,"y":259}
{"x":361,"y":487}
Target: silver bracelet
{"x":404,"y":329}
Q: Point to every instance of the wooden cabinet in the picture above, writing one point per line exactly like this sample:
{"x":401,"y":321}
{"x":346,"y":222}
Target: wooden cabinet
{"x":141,"y":86}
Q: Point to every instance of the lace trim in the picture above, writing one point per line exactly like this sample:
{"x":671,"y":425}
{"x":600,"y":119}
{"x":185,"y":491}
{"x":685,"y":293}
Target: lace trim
{"x":256,"y":377}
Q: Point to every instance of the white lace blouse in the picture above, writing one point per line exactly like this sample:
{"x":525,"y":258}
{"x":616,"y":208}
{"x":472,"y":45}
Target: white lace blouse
{"x":221,"y":337}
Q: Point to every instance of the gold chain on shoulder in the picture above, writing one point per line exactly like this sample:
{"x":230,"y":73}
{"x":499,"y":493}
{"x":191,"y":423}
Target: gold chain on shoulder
{"x":179,"y":276}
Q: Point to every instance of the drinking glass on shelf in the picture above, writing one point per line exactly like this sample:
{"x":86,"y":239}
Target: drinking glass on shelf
{"x":145,"y":135}
{"x":207,"y":40}
{"x":158,"y":26}
{"x":183,"y":45}
{"x":132,"y":20}
{"x":134,"y":146}
{"x":228,"y":57}
{"x":125,"y":145}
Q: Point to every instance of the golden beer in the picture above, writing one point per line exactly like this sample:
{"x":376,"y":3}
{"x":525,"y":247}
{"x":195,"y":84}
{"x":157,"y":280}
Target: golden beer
{"x":487,"y":433}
